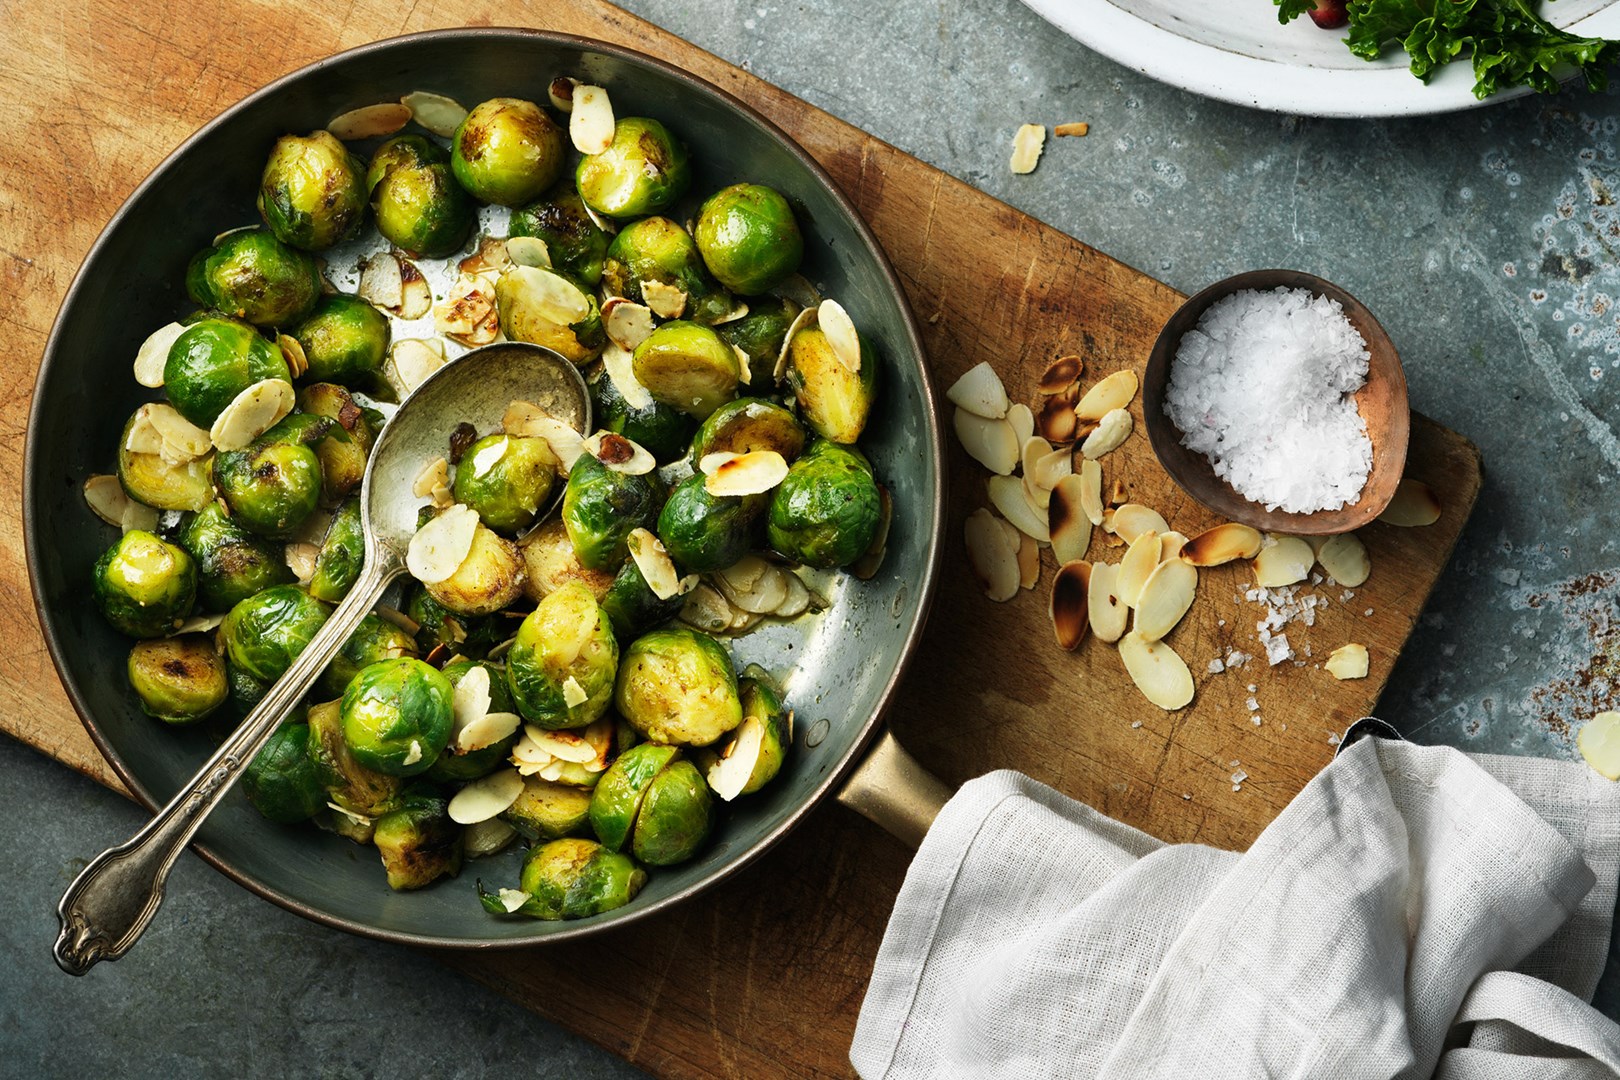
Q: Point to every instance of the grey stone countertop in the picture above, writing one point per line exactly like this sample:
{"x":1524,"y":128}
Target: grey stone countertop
{"x":1484,"y":241}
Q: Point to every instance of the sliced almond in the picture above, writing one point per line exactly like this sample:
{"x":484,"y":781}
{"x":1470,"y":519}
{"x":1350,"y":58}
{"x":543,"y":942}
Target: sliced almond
{"x":1032,"y":450}
{"x":471,"y":699}
{"x":198,"y":624}
{"x":437,"y":113}
{"x":1091,"y":490}
{"x":841,"y":336}
{"x":621,"y":454}
{"x":440,"y":547}
{"x":370,"y":121}
{"x":738,"y":312}
{"x":1028,"y":142}
{"x":657,"y":568}
{"x":619,"y":364}
{"x":179,"y":439}
{"x":1165,"y":598}
{"x":1118,"y":493}
{"x":1157,"y":671}
{"x":1078,"y":128}
{"x":745,"y":374}
{"x":1141,"y":559}
{"x":153,"y":355}
{"x":469,"y":314}
{"x":1344,"y":557}
{"x":1347,"y":662}
{"x":1008,"y":530}
{"x":416,"y":295}
{"x":992,"y":443}
{"x":980,"y":392}
{"x":411,"y":361}
{"x":574,"y":695}
{"x":107,"y":498}
{"x":758,"y":590}
{"x":1222,"y":544}
{"x":435,"y":474}
{"x":1056,"y":421}
{"x":993,"y":559}
{"x":1051,"y":468}
{"x":490,"y":258}
{"x":753,"y":473}
{"x":482,"y":839}
{"x":1599,"y":743}
{"x":293,"y":353}
{"x":528,"y":420}
{"x":548,"y":295}
{"x":1022,"y":421}
{"x":1029,"y":562}
{"x":804,"y":318}
{"x":1170,"y":545}
{"x":666,"y":301}
{"x":143,"y":436}
{"x":252,"y":413}
{"x":1106,"y":609}
{"x":707,"y":610}
{"x":486,"y":797}
{"x":1061,"y":374}
{"x":1112,"y":430}
{"x":730,"y":770}
{"x":528,"y":251}
{"x":1008,"y":496}
{"x":561,"y":93}
{"x":1287,"y":560}
{"x":382,"y":283}
{"x":1414,"y":504}
{"x":590,"y":120}
{"x":300,"y":559}
{"x":1070,"y":604}
{"x":1114,"y":392}
{"x":139,"y":516}
{"x":1038,"y":497}
{"x":1133,"y":519}
{"x":627,"y":323}
{"x":796,"y":601}
{"x":1067,"y":523}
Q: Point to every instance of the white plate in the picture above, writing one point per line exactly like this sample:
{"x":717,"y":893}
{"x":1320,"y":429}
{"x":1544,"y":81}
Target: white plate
{"x":1235,"y":50}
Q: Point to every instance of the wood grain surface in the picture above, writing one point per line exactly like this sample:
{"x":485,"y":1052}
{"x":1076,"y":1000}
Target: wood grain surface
{"x":764,"y":975}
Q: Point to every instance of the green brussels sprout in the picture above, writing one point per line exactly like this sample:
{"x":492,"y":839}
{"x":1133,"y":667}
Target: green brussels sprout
{"x":336,"y":403}
{"x":631,"y":605}
{"x":507,"y":151}
{"x":488,"y":579}
{"x":655,"y":803}
{"x":312,"y":194}
{"x":232,"y":563}
{"x":657,"y":250}
{"x":833,"y":400}
{"x":749,"y":238}
{"x":274,"y":485}
{"x":760,"y":334}
{"x":457,"y":767}
{"x":506,"y":479}
{"x":439,"y":626}
{"x":644,"y":171}
{"x":677,"y":685}
{"x":687,"y":366}
{"x":342,"y":555}
{"x":345,"y":341}
{"x":342,"y":457}
{"x":397,"y":716}
{"x":179,"y":680}
{"x":147,"y":478}
{"x":264,"y":634}
{"x":576,"y":243}
{"x":375,"y":639}
{"x":748,"y":424}
{"x":281,"y":781}
{"x":213,"y":361}
{"x":704,"y":532}
{"x":571,"y":878}
{"x":602,"y":507}
{"x":826,"y":512}
{"x":663,"y":431}
{"x":246,"y":691}
{"x":417,"y":204}
{"x":560,"y":669}
{"x":617,"y":798}
{"x":753,"y":755}
{"x":547,"y":810}
{"x":418,"y":842}
{"x":251,"y":275}
{"x":143,"y":585}
{"x":546,"y":308}
{"x":550,"y":562}
{"x":350,"y":784}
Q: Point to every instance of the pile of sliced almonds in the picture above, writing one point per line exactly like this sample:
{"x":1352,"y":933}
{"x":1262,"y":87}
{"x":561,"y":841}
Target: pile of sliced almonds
{"x":734,"y":600}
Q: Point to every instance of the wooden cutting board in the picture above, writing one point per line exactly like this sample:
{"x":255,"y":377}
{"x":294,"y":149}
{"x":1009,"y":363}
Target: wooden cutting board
{"x":764,"y":975}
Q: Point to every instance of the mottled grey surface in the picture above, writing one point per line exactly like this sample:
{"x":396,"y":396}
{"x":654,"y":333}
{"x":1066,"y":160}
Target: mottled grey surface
{"x":1484,"y":241}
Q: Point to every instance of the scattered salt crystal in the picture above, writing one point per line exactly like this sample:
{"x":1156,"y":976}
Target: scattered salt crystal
{"x":1252,"y":688}
{"x":1277,"y":649}
{"x":1216,"y":667}
{"x":1348,"y":596}
{"x":1220,"y":622}
{"x":1316,"y":579}
{"x":1252,"y":705}
{"x":1237,"y":787}
{"x":1368,"y":613}
{"x":1509,"y":577}
{"x":1186,"y":794}
{"x":1255,"y":719}
{"x":1239,"y":776}
{"x":1333,"y":739}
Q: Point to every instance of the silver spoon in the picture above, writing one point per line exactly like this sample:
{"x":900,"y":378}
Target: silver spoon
{"x":113,"y":899}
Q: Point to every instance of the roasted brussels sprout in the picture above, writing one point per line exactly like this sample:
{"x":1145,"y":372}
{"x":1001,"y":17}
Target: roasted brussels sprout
{"x":179,"y":680}
{"x":507,"y":151}
{"x":749,"y":424}
{"x":617,"y":798}
{"x":632,"y":606}
{"x":418,"y":842}
{"x":571,"y":879}
{"x":655,"y":803}
{"x":576,"y":243}
{"x":656,"y":250}
{"x":825,"y":513}
{"x":251,"y":275}
{"x":550,"y":562}
{"x":506,"y":479}
{"x":345,"y":341}
{"x":148,"y":479}
{"x":397,"y":716}
{"x":753,"y":755}
{"x":465,"y":634}
{"x":643,"y":172}
{"x":415,"y":199}
{"x":546,"y":308}
{"x":214,"y":360}
{"x":143,"y":585}
{"x":833,"y":400}
{"x":687,"y":366}
{"x":351,"y":785}
{"x":677,"y":685}
{"x":246,"y":691}
{"x":704,"y":532}
{"x":749,"y":238}
{"x":232,"y":563}
{"x":275,"y":484}
{"x":336,"y":403}
{"x":547,"y":810}
{"x":281,"y":781}
{"x":602,"y":506}
{"x":342,"y":457}
{"x":454,"y":766}
{"x":662,"y":430}
{"x":488,"y":579}
{"x":264,"y":634}
{"x":312,"y":194}
{"x":560,"y":669}
{"x":342,"y":555}
{"x":760,"y":334}
{"x":375,"y":639}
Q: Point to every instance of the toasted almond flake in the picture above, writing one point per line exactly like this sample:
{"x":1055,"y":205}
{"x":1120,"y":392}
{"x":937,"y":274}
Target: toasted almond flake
{"x":435,"y":475}
{"x":733,"y":767}
{"x":358,"y":819}
{"x":1133,"y":519}
{"x":980,"y":392}
{"x":574,"y":695}
{"x":1061,"y":374}
{"x":617,"y":362}
{"x":993,"y":559}
{"x":841,"y":336}
{"x":1118,"y":494}
{"x":1078,"y":128}
{"x":1599,"y":742}
{"x":300,"y":559}
{"x":198,"y":624}
{"x":370,"y":121}
{"x":179,"y":440}
{"x":1344,"y":557}
{"x":439,"y":114}
{"x":1070,"y":605}
{"x":590,"y":120}
{"x":143,"y":436}
{"x":992,"y":443}
{"x":1114,"y":392}
{"x":1414,"y":504}
{"x":528,"y":251}
{"x":745,"y":573}
{"x":1141,"y":559}
{"x":1022,"y":421}
{"x":620,"y":454}
{"x":1028,"y":142}
{"x":548,"y":295}
{"x":1010,"y":532}
{"x":382,"y":283}
{"x":657,"y":568}
{"x":627,"y":323}
{"x":489,"y":457}
{"x":738,"y":312}
{"x":1347,"y":662}
{"x":1032,"y":450}
{"x":1051,"y":468}
{"x":107,"y":498}
{"x":252,"y":413}
{"x":804,"y":318}
{"x":528,"y":420}
{"x":470,"y":700}
{"x":526,"y":752}
{"x":488,"y":729}
{"x":552,"y":771}
{"x":1112,"y":430}
{"x":468,"y":314}
{"x":1091,"y":490}
{"x":745,"y":373}
{"x":753,"y":585}
{"x":1157,"y":671}
{"x":1165,"y":598}
{"x":1056,"y":421}
{"x":293,"y":353}
{"x":1107,"y":610}
{"x":1287,"y":560}
{"x":415,"y":753}
{"x":1067,"y":522}
{"x":1039,"y":497}
{"x":438,"y":548}
{"x":153,"y":355}
{"x":561,"y":93}
{"x":706,"y":609}
{"x":666,"y":301}
{"x":1029,"y":562}
{"x":138,"y":516}
{"x":398,"y":618}
{"x":490,"y":258}
{"x":486,"y":797}
{"x":1170,"y":545}
{"x":753,"y":473}
{"x":796,"y":600}
{"x":1222,"y":544}
{"x":1007,"y":495}
{"x":416,"y":295}
{"x":511,"y":899}
{"x":411,"y":361}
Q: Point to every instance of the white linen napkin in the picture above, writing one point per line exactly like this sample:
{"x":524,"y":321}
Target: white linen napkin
{"x":1415,"y":911}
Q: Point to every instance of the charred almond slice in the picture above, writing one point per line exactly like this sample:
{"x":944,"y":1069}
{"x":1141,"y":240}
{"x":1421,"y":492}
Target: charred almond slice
{"x":1106,"y":610}
{"x":1286,"y":561}
{"x":1032,"y":450}
{"x":1056,"y":421}
{"x":438,"y":548}
{"x":435,"y":476}
{"x":1165,"y":598}
{"x":415,"y":294}
{"x":1133,"y":519}
{"x":1066,"y":520}
{"x":1157,"y":671}
{"x":1069,"y":606}
{"x":979,"y":391}
{"x":107,"y":498}
{"x":590,"y":120}
{"x":1141,"y":559}
{"x":437,"y":113}
{"x":370,"y":121}
{"x":529,"y":251}
{"x":1007,"y":495}
{"x":1114,"y":392}
{"x":490,"y":258}
{"x":1222,"y":544}
{"x":1022,"y":421}
{"x":1029,"y":562}
{"x":468,"y":313}
{"x":993,"y":559}
{"x":1599,"y":742}
{"x":841,"y":336}
{"x":1028,"y":141}
{"x":1061,"y":374}
{"x":1118,"y":494}
{"x":1345,"y":559}
{"x":293,"y":353}
{"x":620,"y":454}
{"x":753,"y":473}
{"x":487,"y":730}
{"x":411,"y":361}
{"x":1091,"y":489}
{"x":1112,"y":430}
{"x":252,"y":413}
{"x":382,"y":283}
{"x":153,"y":355}
{"x":1170,"y":545}
{"x":627,"y":323}
{"x":666,"y":301}
{"x":485,"y":798}
{"x":992,"y":443}
{"x":1348,"y":662}
{"x":561,"y":93}
{"x":1414,"y":504}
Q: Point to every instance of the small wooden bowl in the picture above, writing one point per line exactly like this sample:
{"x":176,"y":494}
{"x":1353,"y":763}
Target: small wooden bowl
{"x":1381,"y":402}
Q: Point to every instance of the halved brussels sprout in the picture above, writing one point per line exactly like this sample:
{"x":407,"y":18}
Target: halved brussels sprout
{"x":548,"y":810}
{"x":688,"y":367}
{"x":251,"y":275}
{"x":418,"y":842}
{"x":488,"y":579}
{"x":677,"y":685}
{"x":576,"y":243}
{"x":507,"y":151}
{"x":465,"y":634}
{"x":454,"y":767}
{"x":825,"y":513}
{"x":281,"y":781}
{"x":704,"y":532}
{"x":833,"y":400}
{"x":275,"y":484}
{"x":572,"y":879}
{"x":397,"y":716}
{"x":417,"y":204}
{"x":748,"y":424}
{"x":654,"y":802}
{"x":213,"y":361}
{"x":345,"y":341}
{"x":143,"y":585}
{"x":179,"y":680}
{"x":341,"y":455}
{"x":560,"y":669}
{"x":351,"y":785}
{"x":632,"y":606}
{"x":342,"y":555}
{"x":642,"y":172}
{"x":550,"y":562}
{"x":232,"y":563}
{"x":617,"y":798}
{"x":656,"y":250}
{"x":148,"y":479}
{"x":312,"y":194}
{"x":760,"y":335}
{"x":602,"y":507}
{"x":375,"y":639}
{"x":506,"y":479}
{"x":749,"y":239}
{"x":545,"y":308}
{"x":662,"y":430}
{"x":336,"y":403}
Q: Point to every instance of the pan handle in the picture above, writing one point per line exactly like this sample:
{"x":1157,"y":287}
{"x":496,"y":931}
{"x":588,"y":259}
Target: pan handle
{"x":891,"y":789}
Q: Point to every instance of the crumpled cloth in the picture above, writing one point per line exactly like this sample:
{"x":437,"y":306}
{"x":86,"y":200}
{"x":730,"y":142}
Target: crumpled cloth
{"x":1414,"y":912}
